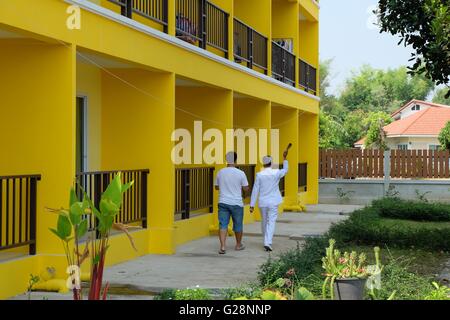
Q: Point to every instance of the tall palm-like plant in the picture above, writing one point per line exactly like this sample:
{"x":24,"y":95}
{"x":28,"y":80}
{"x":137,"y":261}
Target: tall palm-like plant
{"x":72,"y":226}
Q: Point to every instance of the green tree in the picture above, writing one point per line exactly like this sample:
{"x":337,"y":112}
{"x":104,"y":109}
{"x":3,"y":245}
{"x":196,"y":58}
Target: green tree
{"x":376,"y":136}
{"x":354,"y":127}
{"x":444,"y":137}
{"x":371,"y":89}
{"x":331,"y":133}
{"x":425,"y":26}
{"x":329,"y":103}
{"x":439,"y":97}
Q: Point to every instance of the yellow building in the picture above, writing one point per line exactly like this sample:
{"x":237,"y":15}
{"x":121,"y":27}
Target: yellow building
{"x":92,"y":87}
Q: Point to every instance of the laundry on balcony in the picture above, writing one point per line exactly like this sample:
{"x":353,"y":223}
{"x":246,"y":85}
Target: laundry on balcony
{"x":186,"y":29}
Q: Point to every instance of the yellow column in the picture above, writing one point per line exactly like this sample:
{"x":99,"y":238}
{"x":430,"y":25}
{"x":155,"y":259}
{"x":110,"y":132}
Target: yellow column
{"x":308,"y":137}
{"x":138,"y":120}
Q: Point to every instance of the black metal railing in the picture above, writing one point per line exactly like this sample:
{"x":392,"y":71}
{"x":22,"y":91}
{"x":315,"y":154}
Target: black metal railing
{"x":155,"y":10}
{"x":249,"y":46}
{"x":18,"y":196}
{"x":202,"y":23}
{"x":302,"y":177}
{"x":307,"y":77}
{"x":134,"y":205}
{"x":194,"y":190}
{"x":283,"y":64}
{"x":250,"y":173}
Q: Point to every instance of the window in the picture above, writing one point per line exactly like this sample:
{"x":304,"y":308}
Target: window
{"x":402,"y":146}
{"x":416,"y":108}
{"x":434,"y":147}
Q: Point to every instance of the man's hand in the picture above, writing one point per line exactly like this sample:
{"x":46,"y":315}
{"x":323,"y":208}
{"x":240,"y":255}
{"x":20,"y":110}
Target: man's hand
{"x":252,"y":209}
{"x":285,"y":154}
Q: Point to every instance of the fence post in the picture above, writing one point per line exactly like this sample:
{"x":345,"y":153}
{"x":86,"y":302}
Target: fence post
{"x":144,"y":201}
{"x":387,"y":171}
{"x":33,"y":217}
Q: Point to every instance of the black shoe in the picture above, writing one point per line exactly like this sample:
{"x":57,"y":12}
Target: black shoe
{"x":268,"y":248}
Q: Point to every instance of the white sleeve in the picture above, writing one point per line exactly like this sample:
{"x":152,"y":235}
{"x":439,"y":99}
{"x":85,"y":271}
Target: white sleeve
{"x":255,"y":192}
{"x":284,"y":171}
{"x":244,"y":181}
{"x":216,"y":182}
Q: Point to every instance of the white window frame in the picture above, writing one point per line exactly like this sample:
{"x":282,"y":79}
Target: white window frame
{"x":401,"y":146}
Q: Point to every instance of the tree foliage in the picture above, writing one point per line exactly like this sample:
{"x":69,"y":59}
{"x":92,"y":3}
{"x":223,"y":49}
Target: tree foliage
{"x":366,"y":99}
{"x":439,"y":97}
{"x":444,"y":137}
{"x":425,"y":26}
{"x":376,"y":137}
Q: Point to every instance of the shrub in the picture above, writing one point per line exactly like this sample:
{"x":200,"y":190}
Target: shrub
{"x":412,"y":210}
{"x":366,"y":227}
{"x":184,"y":294}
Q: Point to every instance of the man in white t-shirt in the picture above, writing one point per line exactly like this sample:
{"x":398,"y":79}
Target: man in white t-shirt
{"x":230,"y":182}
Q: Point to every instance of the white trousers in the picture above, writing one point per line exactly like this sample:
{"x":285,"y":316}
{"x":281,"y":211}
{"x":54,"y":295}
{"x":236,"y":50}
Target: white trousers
{"x":269,"y":217}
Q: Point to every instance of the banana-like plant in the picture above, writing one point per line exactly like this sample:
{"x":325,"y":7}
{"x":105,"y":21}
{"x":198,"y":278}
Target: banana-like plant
{"x":72,"y":226}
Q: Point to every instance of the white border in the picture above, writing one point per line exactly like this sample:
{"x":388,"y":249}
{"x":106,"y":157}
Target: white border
{"x":92,"y":7}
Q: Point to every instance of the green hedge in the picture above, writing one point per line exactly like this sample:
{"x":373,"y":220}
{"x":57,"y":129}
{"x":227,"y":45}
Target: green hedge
{"x":412,"y":210}
{"x":365,"y":226}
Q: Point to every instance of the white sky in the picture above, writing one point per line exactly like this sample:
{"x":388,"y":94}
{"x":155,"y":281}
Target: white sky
{"x":347,"y":34}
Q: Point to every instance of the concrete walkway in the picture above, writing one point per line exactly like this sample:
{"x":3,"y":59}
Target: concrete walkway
{"x":198,"y":264}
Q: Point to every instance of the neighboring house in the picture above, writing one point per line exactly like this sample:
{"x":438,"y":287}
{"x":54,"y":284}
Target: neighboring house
{"x":88,"y":98}
{"x":416,"y":126}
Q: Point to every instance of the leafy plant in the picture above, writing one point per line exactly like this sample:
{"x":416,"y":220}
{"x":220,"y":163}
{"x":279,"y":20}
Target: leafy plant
{"x":344,"y":195}
{"x":444,"y":137}
{"x":72,"y":226}
{"x":31,"y":283}
{"x":343,"y":266}
{"x":439,"y":293}
{"x":422,"y":196}
{"x":192,"y":294}
{"x":392,"y":192}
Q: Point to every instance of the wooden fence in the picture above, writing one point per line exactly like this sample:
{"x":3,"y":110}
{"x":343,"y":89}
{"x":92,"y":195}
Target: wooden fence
{"x":431,"y":164}
{"x":407,"y":164}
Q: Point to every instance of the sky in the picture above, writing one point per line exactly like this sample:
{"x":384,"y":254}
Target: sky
{"x":347,"y":35}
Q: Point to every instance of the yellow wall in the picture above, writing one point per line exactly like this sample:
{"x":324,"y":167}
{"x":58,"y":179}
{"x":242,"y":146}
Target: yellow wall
{"x":138,"y":120}
{"x":132,"y":113}
{"x":89,"y":79}
{"x":286,"y":121}
{"x":308,"y":151}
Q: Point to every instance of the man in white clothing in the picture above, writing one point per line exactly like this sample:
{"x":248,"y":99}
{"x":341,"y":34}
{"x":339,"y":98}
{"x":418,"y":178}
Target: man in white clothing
{"x":267,"y":187}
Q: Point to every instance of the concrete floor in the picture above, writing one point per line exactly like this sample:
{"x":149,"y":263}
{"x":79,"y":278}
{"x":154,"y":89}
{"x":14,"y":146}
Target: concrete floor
{"x":198,"y":263}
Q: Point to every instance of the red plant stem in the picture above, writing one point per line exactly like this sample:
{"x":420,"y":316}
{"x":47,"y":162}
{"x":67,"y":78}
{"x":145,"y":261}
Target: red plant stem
{"x":105,"y":291}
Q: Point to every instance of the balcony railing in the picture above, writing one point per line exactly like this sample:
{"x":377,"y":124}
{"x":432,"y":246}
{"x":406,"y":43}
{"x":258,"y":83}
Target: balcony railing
{"x":134,"y":205}
{"x":250,"y":173}
{"x":18,"y":195}
{"x":202,"y":23}
{"x":307,"y":77}
{"x":283,"y":64}
{"x":249,"y":46}
{"x":194,"y":190}
{"x":155,"y":10}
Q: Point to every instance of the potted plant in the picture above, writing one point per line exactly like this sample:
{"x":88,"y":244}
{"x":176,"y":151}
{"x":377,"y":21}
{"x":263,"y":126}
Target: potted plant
{"x":346,"y":274}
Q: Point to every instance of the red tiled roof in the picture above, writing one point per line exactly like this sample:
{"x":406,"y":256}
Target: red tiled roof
{"x":430,"y":104}
{"x":426,"y":122}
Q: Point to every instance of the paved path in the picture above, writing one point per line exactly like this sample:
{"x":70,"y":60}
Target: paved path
{"x":198,"y":264}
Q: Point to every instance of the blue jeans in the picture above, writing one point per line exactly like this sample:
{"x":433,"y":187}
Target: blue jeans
{"x":235,"y":212}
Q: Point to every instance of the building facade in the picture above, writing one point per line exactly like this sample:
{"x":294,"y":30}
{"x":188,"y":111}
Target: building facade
{"x":93,"y":87}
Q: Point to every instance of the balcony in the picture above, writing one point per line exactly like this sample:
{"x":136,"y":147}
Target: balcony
{"x":283,"y":64}
{"x":250,"y":46}
{"x":18,"y":196}
{"x":307,"y":77}
{"x":134,"y":205}
{"x":194,"y":191}
{"x":204,"y":24}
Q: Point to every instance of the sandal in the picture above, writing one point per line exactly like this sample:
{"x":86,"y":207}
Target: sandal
{"x":222,"y":251}
{"x":242,"y":247}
